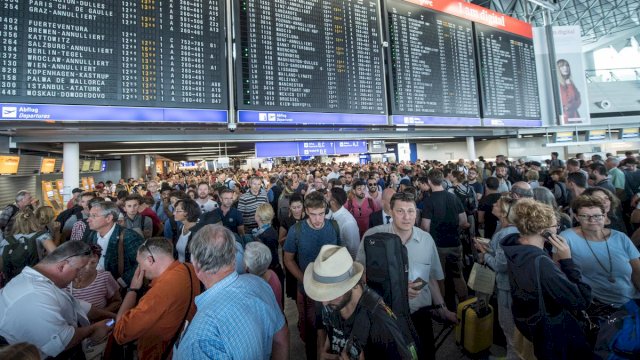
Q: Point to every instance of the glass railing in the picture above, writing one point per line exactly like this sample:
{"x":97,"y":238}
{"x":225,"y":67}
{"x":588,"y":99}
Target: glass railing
{"x":609,"y":75}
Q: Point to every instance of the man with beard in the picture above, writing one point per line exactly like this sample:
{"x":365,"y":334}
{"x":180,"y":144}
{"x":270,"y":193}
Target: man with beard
{"x":472,"y":180}
{"x":374,"y":191}
{"x":504,"y":185}
{"x":204,"y":198}
{"x":348,"y":179}
{"x":355,"y":319}
{"x":599,"y":177}
{"x":361,"y":207}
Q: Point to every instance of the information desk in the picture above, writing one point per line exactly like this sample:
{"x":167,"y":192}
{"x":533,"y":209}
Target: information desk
{"x":122,"y":54}
{"x":322,"y":57}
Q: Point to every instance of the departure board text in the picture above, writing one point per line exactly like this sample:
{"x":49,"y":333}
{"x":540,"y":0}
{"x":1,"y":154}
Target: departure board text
{"x":432,"y":63}
{"x":310,"y":56}
{"x":509,"y":86}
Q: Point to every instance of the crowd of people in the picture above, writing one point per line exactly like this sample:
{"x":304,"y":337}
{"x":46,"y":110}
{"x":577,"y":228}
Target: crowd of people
{"x":198,"y":264}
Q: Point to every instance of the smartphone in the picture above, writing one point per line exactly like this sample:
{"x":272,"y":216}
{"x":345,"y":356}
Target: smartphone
{"x":110,"y":322}
{"x":422,"y":284}
{"x":547,"y":235}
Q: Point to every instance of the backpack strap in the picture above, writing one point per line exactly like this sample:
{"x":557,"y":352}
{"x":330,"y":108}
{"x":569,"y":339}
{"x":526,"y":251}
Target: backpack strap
{"x":370,"y":202}
{"x":336,"y":227}
{"x":121,"y":252}
{"x":370,"y":300}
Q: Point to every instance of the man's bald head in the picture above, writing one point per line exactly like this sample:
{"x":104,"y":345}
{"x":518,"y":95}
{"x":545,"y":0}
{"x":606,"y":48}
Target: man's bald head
{"x":521,"y":190}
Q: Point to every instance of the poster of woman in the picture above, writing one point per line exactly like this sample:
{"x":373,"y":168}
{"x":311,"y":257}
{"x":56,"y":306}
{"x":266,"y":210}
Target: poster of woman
{"x":570,"y":73}
{"x":569,"y":94}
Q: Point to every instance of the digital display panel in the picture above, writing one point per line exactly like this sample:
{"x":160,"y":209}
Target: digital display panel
{"x":47,"y":166}
{"x":96,"y":166}
{"x":85,"y":166}
{"x":9,"y":164}
{"x":122,"y":54}
{"x":432,"y":64}
{"x":310,"y":148}
{"x":509,"y":86}
{"x":303,"y":56}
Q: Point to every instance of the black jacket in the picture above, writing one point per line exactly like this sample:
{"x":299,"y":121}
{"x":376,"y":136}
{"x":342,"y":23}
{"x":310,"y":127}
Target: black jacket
{"x":375,"y":219}
{"x":563,"y":291}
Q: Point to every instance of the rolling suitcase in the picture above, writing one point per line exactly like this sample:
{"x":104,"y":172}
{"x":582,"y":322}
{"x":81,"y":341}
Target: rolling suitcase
{"x":474,"y":331}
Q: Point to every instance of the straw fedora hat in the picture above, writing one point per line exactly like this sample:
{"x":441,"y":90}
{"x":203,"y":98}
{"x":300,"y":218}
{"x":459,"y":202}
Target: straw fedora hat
{"x":332,"y":274}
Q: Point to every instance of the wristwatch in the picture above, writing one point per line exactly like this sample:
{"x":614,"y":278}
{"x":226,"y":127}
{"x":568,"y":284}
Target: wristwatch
{"x":438,"y":306}
{"x":137,"y":291}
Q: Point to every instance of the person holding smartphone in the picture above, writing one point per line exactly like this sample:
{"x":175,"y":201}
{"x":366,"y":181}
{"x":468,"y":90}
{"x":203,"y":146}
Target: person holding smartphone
{"x":545,"y":294}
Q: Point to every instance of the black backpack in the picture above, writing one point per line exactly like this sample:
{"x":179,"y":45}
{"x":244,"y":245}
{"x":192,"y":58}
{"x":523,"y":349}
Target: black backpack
{"x":363,"y":322}
{"x":387,"y":269}
{"x":18,"y":254}
{"x":468,"y":198}
{"x":67,"y":214}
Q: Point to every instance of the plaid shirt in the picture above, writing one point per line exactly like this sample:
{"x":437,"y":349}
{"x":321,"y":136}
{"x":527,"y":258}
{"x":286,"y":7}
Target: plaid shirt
{"x":132,"y":241}
{"x":7,"y":218}
{"x":236,"y":319}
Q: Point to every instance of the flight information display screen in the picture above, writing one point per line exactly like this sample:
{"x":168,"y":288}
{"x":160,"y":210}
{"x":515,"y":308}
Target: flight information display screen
{"x":432,"y":63}
{"x":130,"y":53}
{"x":509,"y":87}
{"x":305,"y":56}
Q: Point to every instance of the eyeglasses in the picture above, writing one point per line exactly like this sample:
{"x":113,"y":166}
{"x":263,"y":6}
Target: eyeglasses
{"x":146,"y":247}
{"x":373,"y":184}
{"x":596,"y":217}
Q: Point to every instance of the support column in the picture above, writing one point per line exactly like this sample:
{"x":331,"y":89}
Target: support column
{"x":71,"y":163}
{"x":132,"y":166}
{"x":152,"y":167}
{"x":471,"y":148}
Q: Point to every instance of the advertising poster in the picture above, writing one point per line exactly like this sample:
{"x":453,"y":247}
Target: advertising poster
{"x":570,"y":74}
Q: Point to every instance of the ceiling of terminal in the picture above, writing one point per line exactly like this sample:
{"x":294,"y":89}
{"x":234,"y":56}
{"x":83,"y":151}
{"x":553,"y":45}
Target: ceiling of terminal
{"x":603,"y":22}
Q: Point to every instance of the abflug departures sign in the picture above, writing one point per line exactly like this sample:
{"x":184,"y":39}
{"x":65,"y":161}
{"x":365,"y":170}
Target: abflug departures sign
{"x":131,"y":60}
{"x":310,"y":62}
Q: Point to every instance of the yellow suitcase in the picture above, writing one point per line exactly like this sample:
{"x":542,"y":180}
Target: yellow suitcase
{"x":474,"y":331}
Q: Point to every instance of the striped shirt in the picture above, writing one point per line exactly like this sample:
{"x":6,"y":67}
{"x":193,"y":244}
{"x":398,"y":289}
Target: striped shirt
{"x":98,"y":292}
{"x":248,"y":204}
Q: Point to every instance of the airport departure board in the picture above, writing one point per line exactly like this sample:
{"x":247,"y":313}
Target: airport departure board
{"x":129,"y":53}
{"x":432,"y":62}
{"x":322,"y":56}
{"x":509,"y":86}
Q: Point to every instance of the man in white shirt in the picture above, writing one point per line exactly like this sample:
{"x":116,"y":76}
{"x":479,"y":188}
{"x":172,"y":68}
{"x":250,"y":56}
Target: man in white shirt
{"x":349,"y":233}
{"x":204,"y":198}
{"x":424,"y":266}
{"x":34,"y":308}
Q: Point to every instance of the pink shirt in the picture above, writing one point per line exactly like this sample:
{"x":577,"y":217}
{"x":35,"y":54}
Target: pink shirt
{"x":274,"y":282}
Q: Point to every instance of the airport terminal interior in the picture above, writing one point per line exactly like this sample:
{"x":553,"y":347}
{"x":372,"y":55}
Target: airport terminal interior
{"x":483,"y":118}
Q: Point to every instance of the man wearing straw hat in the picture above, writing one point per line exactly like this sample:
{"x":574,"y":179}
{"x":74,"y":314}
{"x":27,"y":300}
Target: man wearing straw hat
{"x":356,"y":321}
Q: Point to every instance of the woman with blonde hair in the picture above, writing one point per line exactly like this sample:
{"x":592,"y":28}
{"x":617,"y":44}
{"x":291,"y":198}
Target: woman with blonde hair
{"x":45,"y":217}
{"x":266,"y":234}
{"x":545,"y":294}
{"x":27,"y":226}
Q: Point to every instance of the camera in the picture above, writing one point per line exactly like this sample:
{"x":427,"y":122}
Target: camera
{"x":232,"y":127}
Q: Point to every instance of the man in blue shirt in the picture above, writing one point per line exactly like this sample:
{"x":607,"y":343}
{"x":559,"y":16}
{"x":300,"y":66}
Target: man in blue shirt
{"x":231,"y":217}
{"x":305,"y":239}
{"x":238,"y":316}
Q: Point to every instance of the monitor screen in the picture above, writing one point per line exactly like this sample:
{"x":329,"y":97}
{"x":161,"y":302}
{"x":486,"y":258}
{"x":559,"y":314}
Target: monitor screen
{"x":322,"y":58}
